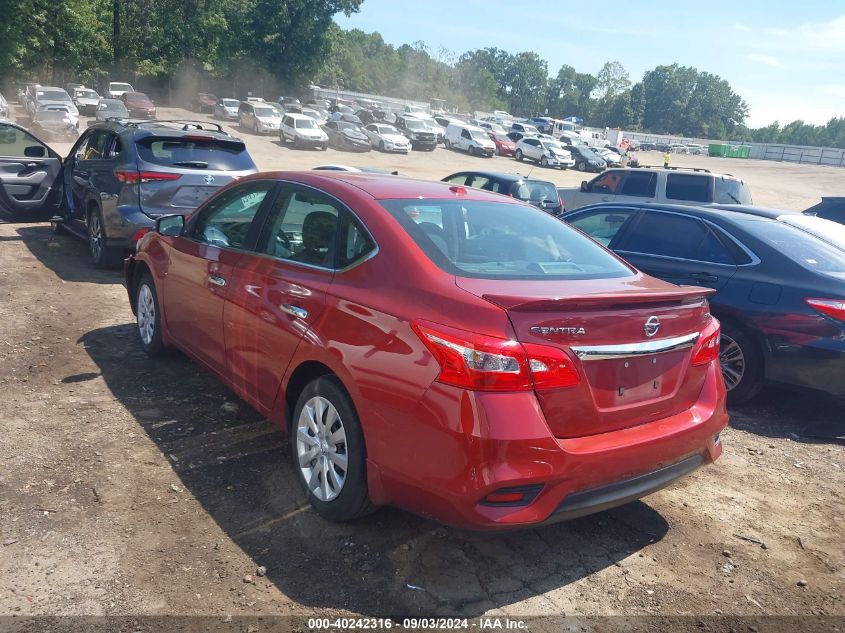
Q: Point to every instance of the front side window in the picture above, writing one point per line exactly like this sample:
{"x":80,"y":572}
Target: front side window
{"x":688,"y":187}
{"x":16,"y":142}
{"x":601,"y":225}
{"x":227,"y":220}
{"x":501,"y":241}
{"x":303,"y":228}
{"x":608,"y":182}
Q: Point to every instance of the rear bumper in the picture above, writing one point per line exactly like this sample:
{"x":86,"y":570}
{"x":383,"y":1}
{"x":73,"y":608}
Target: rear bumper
{"x":478,"y":443}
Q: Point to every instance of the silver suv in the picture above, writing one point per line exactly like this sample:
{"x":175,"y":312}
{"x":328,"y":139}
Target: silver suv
{"x":673,"y":185}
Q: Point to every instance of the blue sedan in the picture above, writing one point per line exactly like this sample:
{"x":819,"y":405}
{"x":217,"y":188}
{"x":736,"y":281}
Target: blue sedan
{"x":779,"y":277}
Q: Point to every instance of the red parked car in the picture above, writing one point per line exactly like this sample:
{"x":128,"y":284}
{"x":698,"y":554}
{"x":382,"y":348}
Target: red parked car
{"x":140,"y":106}
{"x":444,"y":349}
{"x":504,"y":145}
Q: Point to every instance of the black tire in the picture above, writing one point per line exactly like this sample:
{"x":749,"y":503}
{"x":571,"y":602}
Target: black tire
{"x":381,"y":146}
{"x":544,"y":162}
{"x":353,"y":500}
{"x":518,"y":155}
{"x":471,"y":150}
{"x":739,"y":352}
{"x":102,"y":255}
{"x":447,"y":144}
{"x":581,"y":166}
{"x":151,"y":343}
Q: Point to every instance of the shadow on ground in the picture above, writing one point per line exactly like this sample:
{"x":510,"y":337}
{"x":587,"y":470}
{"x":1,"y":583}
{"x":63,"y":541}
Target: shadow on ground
{"x":66,"y":255}
{"x":391,"y":563}
{"x":798,"y":415}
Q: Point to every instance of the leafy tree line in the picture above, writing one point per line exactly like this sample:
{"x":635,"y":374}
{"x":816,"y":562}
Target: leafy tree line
{"x":176,"y":47}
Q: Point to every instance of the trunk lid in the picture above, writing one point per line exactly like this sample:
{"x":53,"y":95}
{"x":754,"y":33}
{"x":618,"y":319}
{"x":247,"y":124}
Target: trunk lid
{"x":631,"y":343}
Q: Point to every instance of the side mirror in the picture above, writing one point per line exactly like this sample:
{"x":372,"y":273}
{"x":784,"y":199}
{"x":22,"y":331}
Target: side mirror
{"x":171,"y":225}
{"x":584,"y":186}
{"x":35,"y":151}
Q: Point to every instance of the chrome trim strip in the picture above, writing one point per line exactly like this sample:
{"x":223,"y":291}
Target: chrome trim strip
{"x":629,"y":350}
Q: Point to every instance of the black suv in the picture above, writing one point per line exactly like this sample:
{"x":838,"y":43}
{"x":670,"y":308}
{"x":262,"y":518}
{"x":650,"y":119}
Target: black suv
{"x":119,"y":177}
{"x":539,"y":193}
{"x":418,"y":132}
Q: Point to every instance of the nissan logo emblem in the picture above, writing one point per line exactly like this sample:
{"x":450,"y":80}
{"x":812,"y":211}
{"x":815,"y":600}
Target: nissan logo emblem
{"x":652,"y":324}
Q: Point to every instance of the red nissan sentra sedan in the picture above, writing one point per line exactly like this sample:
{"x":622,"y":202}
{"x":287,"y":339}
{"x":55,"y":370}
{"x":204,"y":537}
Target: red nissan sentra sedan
{"x":443,"y":349}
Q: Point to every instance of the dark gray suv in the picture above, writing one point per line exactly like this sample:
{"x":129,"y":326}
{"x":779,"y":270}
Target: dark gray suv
{"x":119,"y":177}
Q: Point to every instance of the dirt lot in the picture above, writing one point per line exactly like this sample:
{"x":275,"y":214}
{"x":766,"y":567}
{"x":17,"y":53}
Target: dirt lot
{"x":127,"y":488}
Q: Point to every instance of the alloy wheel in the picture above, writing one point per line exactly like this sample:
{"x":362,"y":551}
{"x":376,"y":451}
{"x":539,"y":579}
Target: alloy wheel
{"x":146,"y":314}
{"x":321,"y":448}
{"x":95,"y":236}
{"x":732,"y":361}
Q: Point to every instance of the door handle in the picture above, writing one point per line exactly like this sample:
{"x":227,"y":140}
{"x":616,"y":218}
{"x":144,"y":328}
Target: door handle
{"x":707,"y":277}
{"x":217,"y":281}
{"x":300,"y":313}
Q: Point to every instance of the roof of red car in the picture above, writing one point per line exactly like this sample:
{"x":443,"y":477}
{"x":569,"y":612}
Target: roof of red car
{"x":386,"y":186}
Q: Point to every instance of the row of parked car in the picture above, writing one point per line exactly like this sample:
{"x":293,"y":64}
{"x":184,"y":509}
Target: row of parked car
{"x":509,"y":327}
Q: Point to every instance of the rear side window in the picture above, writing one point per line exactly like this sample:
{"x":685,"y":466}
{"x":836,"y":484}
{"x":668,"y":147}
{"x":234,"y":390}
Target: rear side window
{"x":187,"y":152}
{"x":487,"y":240}
{"x":303,"y":229}
{"x":642,"y":184}
{"x":672,"y":235}
{"x":731,"y":191}
{"x":688,"y":187}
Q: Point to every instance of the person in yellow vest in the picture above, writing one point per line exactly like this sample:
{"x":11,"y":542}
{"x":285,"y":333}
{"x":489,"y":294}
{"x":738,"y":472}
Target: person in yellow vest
{"x":666,"y":157}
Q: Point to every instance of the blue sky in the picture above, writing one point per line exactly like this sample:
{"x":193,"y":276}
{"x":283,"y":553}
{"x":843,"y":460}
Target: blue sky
{"x":787,"y":60}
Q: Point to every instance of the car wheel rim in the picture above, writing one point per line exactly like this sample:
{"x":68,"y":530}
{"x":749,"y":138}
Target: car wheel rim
{"x":321,"y":449}
{"x":96,"y":236}
{"x":146,"y":314}
{"x":732,"y":361}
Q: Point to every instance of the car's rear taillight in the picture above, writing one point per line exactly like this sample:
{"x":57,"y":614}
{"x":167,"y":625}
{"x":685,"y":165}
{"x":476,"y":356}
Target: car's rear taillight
{"x":132,"y":177}
{"x":486,"y":363}
{"x":834,"y":308}
{"x":706,"y":348}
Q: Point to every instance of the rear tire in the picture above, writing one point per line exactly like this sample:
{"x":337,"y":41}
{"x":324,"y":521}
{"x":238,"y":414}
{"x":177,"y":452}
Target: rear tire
{"x":329,"y":455}
{"x":148,"y":316}
{"x":102,"y":255}
{"x":581,"y":166}
{"x":741,"y":362}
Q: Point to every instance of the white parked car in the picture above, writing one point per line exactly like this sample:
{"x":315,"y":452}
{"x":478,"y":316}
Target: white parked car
{"x":387,"y":138}
{"x":613,"y":159}
{"x":86,"y":100}
{"x":549,"y":153}
{"x":116,"y":88}
{"x":318,"y":116}
{"x":495,"y":128}
{"x":469,"y":138}
{"x":226,"y":109}
{"x":303,"y":131}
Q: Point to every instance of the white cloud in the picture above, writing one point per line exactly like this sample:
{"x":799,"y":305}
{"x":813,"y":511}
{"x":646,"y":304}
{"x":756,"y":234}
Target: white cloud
{"x":741,"y":27}
{"x":767,"y":106}
{"x":768,"y":60}
{"x":825,"y":35}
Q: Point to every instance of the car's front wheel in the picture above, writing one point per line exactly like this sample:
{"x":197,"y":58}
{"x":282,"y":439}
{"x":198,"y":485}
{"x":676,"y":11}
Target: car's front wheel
{"x":148,"y":316}
{"x":518,"y":155}
{"x":544,"y":162}
{"x":328,"y":451}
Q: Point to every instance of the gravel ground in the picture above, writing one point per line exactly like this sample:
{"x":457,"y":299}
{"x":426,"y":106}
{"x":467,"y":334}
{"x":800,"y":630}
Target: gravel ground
{"x":131,"y":486}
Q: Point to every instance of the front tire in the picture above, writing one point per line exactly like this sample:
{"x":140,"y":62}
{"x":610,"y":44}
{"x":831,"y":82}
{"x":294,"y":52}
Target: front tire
{"x":518,"y":155}
{"x":741,"y":362}
{"x":328,"y":451}
{"x":544,"y":162}
{"x":148,"y":316}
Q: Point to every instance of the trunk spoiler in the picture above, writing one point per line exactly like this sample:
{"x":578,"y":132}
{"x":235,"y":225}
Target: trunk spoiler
{"x":683,"y":295}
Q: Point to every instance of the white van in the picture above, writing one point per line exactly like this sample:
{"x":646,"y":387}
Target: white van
{"x":469,"y":138}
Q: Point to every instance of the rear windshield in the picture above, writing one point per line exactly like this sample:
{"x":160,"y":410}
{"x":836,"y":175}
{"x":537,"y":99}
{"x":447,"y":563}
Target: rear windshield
{"x":831,"y":232}
{"x":801,"y":247}
{"x":492,"y":240}
{"x":216,"y":154}
{"x":231,"y":103}
{"x":731,"y":191}
{"x":535,"y":191}
{"x":113,"y":107}
{"x":87,"y":94}
{"x":116,"y":86}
